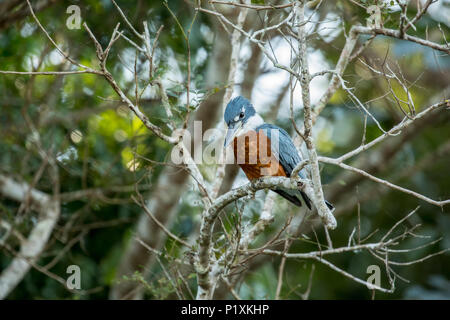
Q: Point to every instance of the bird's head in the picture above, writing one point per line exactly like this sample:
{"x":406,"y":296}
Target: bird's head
{"x":239,"y":117}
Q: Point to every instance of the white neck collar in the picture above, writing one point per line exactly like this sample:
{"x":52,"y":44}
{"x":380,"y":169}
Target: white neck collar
{"x":252,"y":123}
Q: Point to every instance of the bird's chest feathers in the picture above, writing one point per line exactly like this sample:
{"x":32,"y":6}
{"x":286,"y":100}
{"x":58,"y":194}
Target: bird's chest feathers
{"x":252,"y":152}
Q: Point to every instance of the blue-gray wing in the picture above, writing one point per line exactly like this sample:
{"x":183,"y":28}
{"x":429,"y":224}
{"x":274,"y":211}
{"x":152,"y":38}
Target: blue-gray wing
{"x":288,"y":156}
{"x":284,"y":150}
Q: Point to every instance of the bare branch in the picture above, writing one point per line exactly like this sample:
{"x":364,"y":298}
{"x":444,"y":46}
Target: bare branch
{"x":384,"y":182}
{"x":49,"y":210}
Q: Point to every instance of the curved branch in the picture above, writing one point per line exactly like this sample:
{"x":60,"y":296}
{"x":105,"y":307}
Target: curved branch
{"x":398,"y":34}
{"x":30,"y":249}
{"x":203,"y":264}
{"x":384,"y":182}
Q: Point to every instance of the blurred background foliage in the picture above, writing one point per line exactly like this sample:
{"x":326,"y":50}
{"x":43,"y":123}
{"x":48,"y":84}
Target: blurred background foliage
{"x":100,"y":145}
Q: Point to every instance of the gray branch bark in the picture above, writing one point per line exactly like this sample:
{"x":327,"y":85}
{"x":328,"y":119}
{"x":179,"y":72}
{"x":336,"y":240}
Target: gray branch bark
{"x":30,"y":250}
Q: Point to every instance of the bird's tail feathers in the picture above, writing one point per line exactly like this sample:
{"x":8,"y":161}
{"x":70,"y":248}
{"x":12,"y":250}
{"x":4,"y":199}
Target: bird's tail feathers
{"x":329,"y":205}
{"x":296,"y":196}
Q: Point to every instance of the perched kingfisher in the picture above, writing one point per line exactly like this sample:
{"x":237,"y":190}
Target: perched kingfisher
{"x":262,"y":149}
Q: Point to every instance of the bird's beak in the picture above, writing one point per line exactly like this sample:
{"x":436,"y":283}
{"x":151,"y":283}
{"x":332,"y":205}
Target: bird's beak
{"x":231,"y":133}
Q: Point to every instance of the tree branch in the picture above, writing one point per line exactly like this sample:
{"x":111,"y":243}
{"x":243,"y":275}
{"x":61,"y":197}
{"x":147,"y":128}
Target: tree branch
{"x":49,"y":210}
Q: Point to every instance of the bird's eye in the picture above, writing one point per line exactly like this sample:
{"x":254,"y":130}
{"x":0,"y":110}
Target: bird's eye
{"x":241,"y":115}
